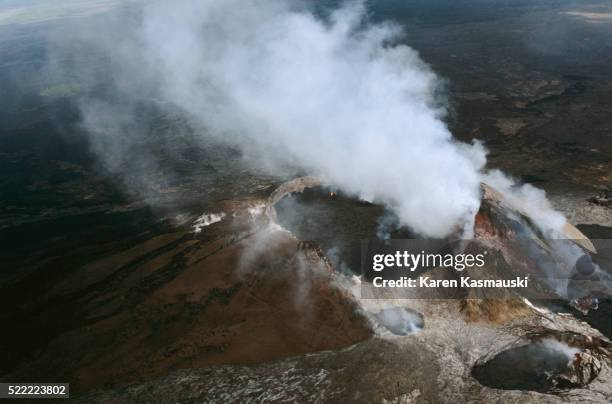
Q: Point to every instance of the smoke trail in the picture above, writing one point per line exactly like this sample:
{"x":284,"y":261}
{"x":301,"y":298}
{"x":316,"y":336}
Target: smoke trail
{"x":334,"y":95}
{"x":531,"y":201}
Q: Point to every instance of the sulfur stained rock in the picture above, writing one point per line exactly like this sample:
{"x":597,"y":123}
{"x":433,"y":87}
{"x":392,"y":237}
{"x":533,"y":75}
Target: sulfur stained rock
{"x":582,"y":370}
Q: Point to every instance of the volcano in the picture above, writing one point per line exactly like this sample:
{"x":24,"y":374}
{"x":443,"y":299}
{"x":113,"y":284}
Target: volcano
{"x":262,"y":302}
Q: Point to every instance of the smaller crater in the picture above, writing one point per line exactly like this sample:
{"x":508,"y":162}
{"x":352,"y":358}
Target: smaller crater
{"x":545,"y":366}
{"x":400,"y":320}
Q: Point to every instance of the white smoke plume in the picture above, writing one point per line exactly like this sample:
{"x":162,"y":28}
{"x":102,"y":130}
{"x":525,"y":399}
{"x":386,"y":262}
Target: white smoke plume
{"x":334,"y":95}
{"x":530,"y":200}
{"x":559,"y":347}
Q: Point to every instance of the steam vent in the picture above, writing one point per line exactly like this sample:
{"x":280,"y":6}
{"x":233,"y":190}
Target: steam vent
{"x":446,"y":350}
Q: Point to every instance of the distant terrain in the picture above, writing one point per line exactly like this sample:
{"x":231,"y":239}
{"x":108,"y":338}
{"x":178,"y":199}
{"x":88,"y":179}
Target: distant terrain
{"x":103,"y":281}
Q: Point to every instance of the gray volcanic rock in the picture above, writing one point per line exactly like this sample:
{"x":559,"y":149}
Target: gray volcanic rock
{"x":470,"y":350}
{"x":582,"y":370}
{"x":433,"y":365}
